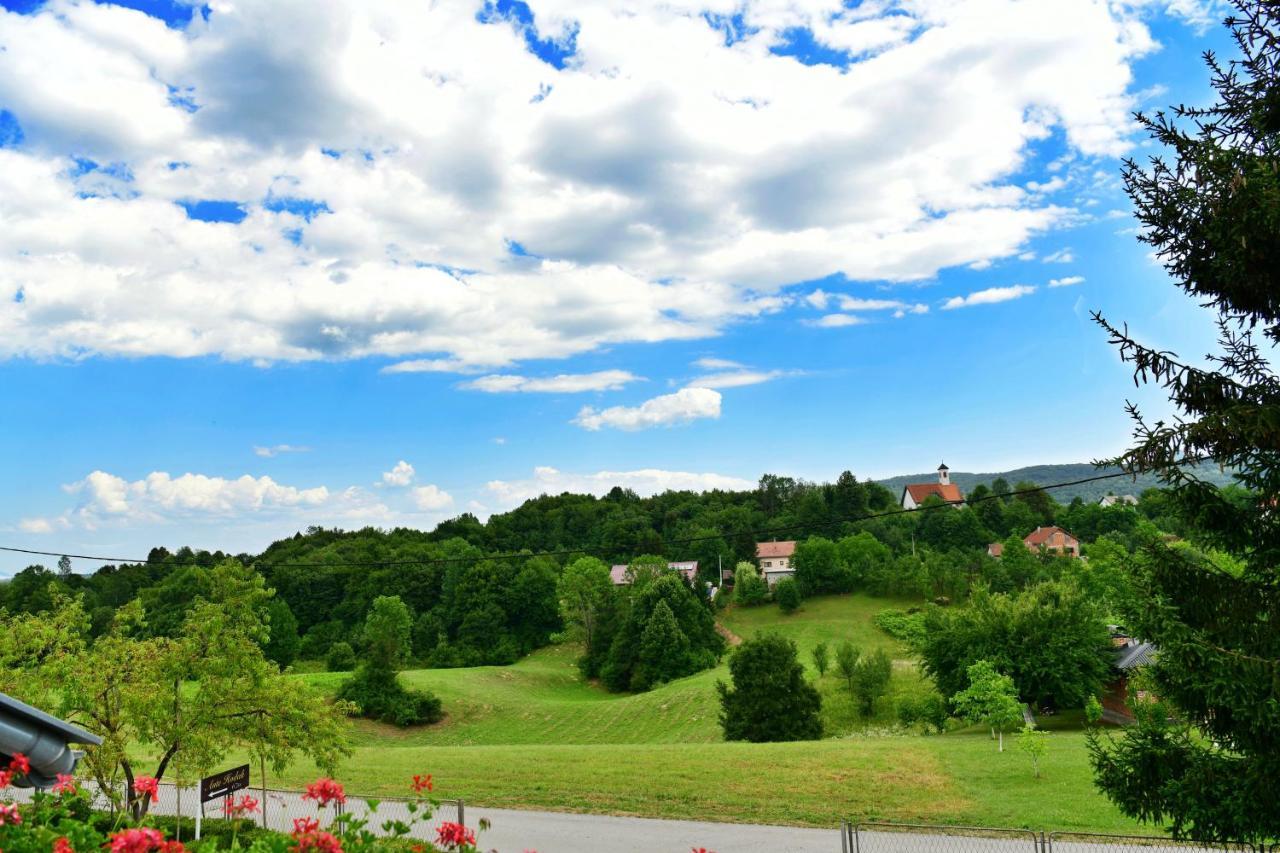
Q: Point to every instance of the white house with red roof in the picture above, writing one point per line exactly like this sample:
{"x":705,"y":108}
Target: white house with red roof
{"x":775,"y":560}
{"x":914,"y":494}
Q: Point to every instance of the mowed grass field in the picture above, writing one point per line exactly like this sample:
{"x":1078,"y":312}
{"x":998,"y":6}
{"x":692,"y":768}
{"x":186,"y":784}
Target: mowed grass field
{"x":535,"y":735}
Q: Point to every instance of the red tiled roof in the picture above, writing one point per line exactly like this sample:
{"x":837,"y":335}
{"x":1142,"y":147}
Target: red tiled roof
{"x":767,"y":550}
{"x":919,"y":491}
{"x":1041,"y":535}
{"x":995,"y":549}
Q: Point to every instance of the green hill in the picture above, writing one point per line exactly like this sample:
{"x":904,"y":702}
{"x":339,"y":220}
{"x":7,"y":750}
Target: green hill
{"x":535,"y":735}
{"x":1046,"y":474}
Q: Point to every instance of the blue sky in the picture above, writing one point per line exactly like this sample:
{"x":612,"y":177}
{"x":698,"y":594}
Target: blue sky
{"x":267,"y":269}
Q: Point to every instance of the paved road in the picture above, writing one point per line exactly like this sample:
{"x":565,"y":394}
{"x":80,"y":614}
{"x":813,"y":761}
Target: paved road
{"x":513,"y":831}
{"x":552,"y":832}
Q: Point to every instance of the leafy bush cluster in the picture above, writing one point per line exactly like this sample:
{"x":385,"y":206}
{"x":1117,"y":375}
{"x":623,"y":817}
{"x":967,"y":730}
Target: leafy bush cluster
{"x":905,"y":625}
{"x":770,"y":700}
{"x":375,"y":689}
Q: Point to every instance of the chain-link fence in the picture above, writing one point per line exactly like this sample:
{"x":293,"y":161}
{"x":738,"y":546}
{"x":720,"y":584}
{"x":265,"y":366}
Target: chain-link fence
{"x":928,"y":838}
{"x":923,"y":838}
{"x":1091,"y":842}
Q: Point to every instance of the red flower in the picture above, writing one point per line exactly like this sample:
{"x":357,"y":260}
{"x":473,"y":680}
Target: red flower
{"x":422,"y":783}
{"x":20,"y":763}
{"x":62,"y":845}
{"x":325,"y":791}
{"x":454,"y":835}
{"x":66,"y":784}
{"x":702,"y":850}
{"x":137,"y":840}
{"x":171,"y":847}
{"x":246,"y":805}
{"x":147,"y":785}
{"x":303,"y":825}
{"x":5,"y":778}
{"x":321,"y":842}
{"x":9,"y":815}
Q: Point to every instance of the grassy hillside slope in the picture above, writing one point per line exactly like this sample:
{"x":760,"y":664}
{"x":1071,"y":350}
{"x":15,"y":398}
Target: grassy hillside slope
{"x":534,"y":735}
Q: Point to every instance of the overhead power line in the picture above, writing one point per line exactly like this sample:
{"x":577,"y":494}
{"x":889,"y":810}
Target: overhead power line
{"x":756,"y":534}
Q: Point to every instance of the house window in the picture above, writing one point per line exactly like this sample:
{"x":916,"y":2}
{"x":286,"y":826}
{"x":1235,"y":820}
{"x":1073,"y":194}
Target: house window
{"x":768,"y":565}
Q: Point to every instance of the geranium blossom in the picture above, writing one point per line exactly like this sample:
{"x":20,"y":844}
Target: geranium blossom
{"x":234,"y":808}
{"x":454,"y":835}
{"x":148,"y":785}
{"x":325,"y":791}
{"x":9,"y":815}
{"x":422,"y":783}
{"x":303,"y":825}
{"x":62,"y":845}
{"x":66,"y":784}
{"x":20,"y":763}
{"x":5,"y":778}
{"x":320,"y":842}
{"x":141,"y":840}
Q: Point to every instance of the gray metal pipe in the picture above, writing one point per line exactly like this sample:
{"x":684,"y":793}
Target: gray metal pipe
{"x":43,"y":739}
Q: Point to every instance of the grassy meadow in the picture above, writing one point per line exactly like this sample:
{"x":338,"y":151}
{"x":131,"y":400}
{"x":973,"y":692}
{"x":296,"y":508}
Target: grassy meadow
{"x":535,"y":735}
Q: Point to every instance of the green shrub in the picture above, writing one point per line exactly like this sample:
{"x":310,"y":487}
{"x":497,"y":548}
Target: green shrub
{"x":378,"y":694}
{"x":905,"y":625}
{"x":787,"y":594}
{"x":770,"y":699}
{"x":749,"y":589}
{"x":341,"y":657}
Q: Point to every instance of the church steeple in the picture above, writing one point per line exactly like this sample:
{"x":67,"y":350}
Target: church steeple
{"x":944,"y":477}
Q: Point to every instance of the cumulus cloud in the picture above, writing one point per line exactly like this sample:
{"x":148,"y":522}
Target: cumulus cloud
{"x":684,"y":406}
{"x":268,"y":452}
{"x":400,"y":475}
{"x":1066,"y":282}
{"x":430,"y":498}
{"x":413,"y":183}
{"x":104,"y":497}
{"x":565,"y":383}
{"x":989,"y":296}
{"x":36,"y":525}
{"x":644,"y":482}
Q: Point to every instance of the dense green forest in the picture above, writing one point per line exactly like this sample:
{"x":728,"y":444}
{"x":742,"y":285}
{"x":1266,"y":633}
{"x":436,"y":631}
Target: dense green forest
{"x":473,"y":600}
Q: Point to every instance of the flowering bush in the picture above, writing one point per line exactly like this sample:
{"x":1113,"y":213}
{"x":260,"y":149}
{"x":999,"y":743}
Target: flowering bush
{"x":62,"y":822}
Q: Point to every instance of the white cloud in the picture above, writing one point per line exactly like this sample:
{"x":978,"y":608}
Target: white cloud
{"x":565,"y":383}
{"x":1066,"y":282}
{"x":645,"y":482}
{"x":663,"y":184}
{"x":105,"y":497}
{"x":818,"y":299}
{"x":1062,"y":256}
{"x":430,"y":498}
{"x":685,"y":405}
{"x":716,"y":364}
{"x":427,"y":365}
{"x":899,"y":308}
{"x":36,"y":525}
{"x":400,"y":475}
{"x":738,"y":378}
{"x":989,"y":296}
{"x":276,"y":449}
{"x":839,"y":321}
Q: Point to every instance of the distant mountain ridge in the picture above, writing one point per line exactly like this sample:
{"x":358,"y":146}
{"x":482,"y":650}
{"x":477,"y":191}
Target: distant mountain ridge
{"x":1043,"y":475}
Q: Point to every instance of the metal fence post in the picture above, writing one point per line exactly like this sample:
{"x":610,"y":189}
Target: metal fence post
{"x":844,"y":836}
{"x":462,"y":820}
